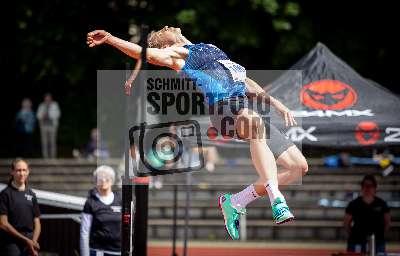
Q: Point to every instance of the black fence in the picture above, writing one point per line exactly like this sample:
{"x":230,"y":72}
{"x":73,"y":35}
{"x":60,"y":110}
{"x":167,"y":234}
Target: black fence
{"x":60,"y":234}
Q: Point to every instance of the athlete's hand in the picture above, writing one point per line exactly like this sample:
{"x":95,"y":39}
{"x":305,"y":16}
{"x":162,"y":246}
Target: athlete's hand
{"x":128,"y":86}
{"x":285,"y":113}
{"x":97,"y":37}
{"x":132,"y":77}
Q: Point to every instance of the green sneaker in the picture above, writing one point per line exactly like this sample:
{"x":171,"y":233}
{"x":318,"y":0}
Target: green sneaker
{"x":231,"y":215}
{"x":281,"y":212}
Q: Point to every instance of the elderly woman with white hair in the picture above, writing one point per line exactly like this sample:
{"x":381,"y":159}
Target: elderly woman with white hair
{"x":101,"y":217}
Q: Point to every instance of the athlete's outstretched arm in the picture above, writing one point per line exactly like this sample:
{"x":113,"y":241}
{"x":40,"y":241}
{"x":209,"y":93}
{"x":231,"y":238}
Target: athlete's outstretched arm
{"x":254,"y":90}
{"x":132,"y":77}
{"x":160,"y":57}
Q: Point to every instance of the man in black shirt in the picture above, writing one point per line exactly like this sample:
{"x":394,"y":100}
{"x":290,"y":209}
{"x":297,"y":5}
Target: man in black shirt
{"x":369,"y":215}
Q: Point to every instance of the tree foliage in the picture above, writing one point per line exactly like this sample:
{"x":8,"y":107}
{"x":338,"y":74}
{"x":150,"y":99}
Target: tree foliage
{"x":52,"y":55}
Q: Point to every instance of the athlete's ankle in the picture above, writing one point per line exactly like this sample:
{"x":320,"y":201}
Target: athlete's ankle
{"x":236,"y":205}
{"x":241,"y":199}
{"x":273,"y":192}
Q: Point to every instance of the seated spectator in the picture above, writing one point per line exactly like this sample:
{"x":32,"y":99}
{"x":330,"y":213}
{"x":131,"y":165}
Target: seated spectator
{"x":162,"y":160}
{"x":367,"y":215}
{"x":134,"y":159}
{"x":385,"y":159}
{"x":210,"y":157}
{"x":19,"y":214}
{"x":96,"y":148}
{"x":101,"y":217}
{"x":25,"y":126}
{"x":338,"y":160}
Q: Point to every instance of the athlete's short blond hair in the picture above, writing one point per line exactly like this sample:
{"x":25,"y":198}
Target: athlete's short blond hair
{"x":152,"y":39}
{"x":156,"y":40}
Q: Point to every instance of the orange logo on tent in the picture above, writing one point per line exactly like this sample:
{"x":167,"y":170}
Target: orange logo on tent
{"x":367,"y":133}
{"x":328,"y":95}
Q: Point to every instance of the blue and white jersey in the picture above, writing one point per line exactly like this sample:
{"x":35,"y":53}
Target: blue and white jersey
{"x":216,"y":75}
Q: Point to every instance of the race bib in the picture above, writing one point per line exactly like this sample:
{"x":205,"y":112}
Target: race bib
{"x":238,"y":73}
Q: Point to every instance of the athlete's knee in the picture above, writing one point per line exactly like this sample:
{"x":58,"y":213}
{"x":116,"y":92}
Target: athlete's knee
{"x":298,"y":165}
{"x":303,"y":166}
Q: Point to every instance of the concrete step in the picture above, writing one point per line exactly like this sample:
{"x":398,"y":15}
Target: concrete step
{"x":225,"y":166}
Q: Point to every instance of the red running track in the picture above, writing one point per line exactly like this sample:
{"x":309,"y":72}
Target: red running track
{"x":201,"y":251}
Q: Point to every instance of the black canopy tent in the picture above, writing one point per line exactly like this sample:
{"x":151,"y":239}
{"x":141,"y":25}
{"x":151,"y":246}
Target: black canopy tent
{"x":337,"y":106}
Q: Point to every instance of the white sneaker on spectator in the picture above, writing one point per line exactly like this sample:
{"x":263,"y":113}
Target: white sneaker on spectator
{"x":158,"y":184}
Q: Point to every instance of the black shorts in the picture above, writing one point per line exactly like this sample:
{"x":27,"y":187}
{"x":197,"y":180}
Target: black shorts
{"x":14,"y":249}
{"x":224,"y":113}
{"x":12,"y":246}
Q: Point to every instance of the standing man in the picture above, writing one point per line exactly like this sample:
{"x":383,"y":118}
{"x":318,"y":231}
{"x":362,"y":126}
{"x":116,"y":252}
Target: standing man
{"x":48,"y":114}
{"x":367,"y":215}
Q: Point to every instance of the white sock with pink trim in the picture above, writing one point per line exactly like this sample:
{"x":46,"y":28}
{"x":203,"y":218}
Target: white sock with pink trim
{"x":244,"y":197}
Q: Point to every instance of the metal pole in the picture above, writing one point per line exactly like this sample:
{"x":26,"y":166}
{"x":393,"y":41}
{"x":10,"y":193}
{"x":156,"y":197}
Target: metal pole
{"x":187,"y":206}
{"x":126,"y":222}
{"x":142,"y":188}
{"x":174,"y":226}
{"x":129,"y":229}
{"x":140,"y":220}
{"x":127,"y":199}
{"x":371,"y":245}
{"x":243,"y":227}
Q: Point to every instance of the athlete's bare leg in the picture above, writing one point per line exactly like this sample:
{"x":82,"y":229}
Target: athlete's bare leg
{"x":250,"y":126}
{"x":294,"y":166}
